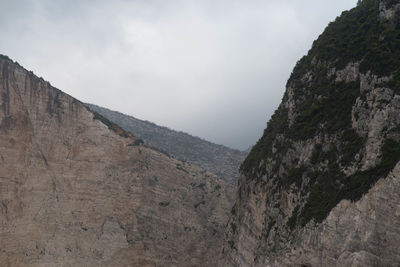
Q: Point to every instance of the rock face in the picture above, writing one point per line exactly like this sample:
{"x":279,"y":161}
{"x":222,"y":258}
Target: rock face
{"x":220,"y":160}
{"x":322,"y":186}
{"x":76,"y":191}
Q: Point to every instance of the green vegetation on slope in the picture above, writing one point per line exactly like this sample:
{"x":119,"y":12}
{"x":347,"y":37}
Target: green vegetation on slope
{"x":323,"y":106}
{"x":316,"y":114}
{"x":357,"y":35}
{"x":327,"y":192}
{"x":263,"y":148}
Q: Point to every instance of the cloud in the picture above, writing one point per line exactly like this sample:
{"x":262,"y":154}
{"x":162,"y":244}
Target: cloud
{"x":215,"y":69}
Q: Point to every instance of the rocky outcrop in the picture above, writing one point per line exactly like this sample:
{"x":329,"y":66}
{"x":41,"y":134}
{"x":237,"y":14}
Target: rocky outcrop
{"x":220,"y":160}
{"x":77,"y":190}
{"x":321,"y":187}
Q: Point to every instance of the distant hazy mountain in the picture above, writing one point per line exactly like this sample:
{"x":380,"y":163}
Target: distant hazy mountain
{"x":218,"y":159}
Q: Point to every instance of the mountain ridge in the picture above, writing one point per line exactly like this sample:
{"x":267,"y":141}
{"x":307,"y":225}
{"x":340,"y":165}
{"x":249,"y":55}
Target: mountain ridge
{"x":218,"y":159}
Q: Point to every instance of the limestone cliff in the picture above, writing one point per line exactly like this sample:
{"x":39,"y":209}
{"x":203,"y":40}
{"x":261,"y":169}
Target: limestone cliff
{"x":322,"y":185}
{"x":76,"y":190}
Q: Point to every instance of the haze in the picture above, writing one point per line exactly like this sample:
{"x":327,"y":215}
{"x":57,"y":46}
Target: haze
{"x":215,"y":69}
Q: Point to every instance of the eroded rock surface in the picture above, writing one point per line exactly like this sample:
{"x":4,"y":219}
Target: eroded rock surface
{"x":321,"y":187}
{"x":76,"y":192}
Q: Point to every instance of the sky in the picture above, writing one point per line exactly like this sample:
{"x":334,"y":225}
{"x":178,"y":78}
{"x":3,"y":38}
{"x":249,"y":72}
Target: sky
{"x":216,"y":69}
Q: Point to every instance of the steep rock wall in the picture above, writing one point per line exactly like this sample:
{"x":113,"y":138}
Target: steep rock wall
{"x":320,"y":188}
{"x":76,"y":191}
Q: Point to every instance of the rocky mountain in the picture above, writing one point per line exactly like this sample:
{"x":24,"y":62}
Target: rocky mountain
{"x":220,"y":160}
{"x":322,"y":185}
{"x":77,"y":190}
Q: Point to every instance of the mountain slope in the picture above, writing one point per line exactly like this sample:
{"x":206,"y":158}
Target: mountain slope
{"x":220,"y":160}
{"x":321,"y":187}
{"x":76,"y":190}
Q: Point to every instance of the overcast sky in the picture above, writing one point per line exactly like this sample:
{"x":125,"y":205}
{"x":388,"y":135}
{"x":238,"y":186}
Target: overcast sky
{"x":216,"y":69}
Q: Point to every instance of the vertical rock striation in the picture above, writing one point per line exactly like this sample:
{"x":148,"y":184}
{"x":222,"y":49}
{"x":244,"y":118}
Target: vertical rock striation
{"x":76,"y":190}
{"x":321,"y":187}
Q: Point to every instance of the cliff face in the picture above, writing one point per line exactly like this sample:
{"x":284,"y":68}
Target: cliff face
{"x":321,"y":187}
{"x":220,"y":160}
{"x":76,"y":190}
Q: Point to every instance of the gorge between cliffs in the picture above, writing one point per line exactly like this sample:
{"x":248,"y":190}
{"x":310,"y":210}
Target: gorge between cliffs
{"x":81,"y":185}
